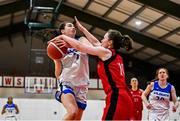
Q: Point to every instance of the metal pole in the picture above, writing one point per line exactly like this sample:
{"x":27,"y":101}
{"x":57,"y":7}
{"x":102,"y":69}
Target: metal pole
{"x":29,"y":51}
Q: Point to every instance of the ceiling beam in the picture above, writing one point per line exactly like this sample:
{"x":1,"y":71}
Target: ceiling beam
{"x":98,"y":22}
{"x":163,"y":5}
{"x":170,"y":33}
{"x":134,"y":15}
{"x":138,"y":50}
{"x":170,"y":62}
{"x":13,"y":7}
{"x":112,"y":8}
{"x":152,"y":57}
{"x":106,"y":25}
{"x":88,"y":4}
{"x":154,"y":23}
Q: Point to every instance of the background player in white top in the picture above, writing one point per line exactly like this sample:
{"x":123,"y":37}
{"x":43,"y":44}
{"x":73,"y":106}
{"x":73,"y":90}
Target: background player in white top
{"x":10,"y":109}
{"x":74,"y":79}
{"x":159,"y":93}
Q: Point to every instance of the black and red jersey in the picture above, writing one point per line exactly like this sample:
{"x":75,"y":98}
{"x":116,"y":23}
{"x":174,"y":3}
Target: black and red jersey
{"x":119,"y":105}
{"x":111,"y":72}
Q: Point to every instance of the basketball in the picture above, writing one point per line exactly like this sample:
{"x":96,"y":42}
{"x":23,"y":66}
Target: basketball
{"x":54,"y":52}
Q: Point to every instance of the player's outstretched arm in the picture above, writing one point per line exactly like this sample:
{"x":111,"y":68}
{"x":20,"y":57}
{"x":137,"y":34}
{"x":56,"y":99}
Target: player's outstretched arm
{"x":85,"y":48}
{"x":3,"y":110}
{"x":145,"y":94}
{"x":93,"y":40}
{"x":174,"y":99}
{"x":17,"y":109}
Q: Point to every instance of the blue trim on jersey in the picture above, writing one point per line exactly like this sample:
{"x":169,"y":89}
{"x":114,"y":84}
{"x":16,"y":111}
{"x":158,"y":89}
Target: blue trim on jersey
{"x":77,"y":38}
{"x":158,"y":88}
{"x":64,"y":89}
{"x":58,"y":96}
{"x":82,"y":105}
{"x":10,"y":105}
{"x":72,"y":50}
{"x":68,"y":91}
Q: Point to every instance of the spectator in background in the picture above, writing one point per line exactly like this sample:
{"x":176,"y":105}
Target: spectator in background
{"x":10,"y":109}
{"x":136,"y":95}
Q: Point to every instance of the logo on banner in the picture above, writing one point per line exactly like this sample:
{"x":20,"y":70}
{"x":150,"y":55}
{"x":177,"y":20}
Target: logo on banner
{"x":19,"y":81}
{"x":8,"y":81}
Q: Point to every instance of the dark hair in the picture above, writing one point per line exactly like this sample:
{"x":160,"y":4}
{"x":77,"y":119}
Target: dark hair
{"x":10,"y":97}
{"x":119,"y":40}
{"x":62,"y":26}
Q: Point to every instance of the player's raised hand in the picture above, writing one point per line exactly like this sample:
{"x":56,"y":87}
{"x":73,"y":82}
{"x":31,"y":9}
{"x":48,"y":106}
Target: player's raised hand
{"x":60,"y":42}
{"x":78,"y":24}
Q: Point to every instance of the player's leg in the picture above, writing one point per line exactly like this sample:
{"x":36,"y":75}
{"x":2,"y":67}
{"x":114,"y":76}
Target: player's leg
{"x":65,"y":95}
{"x":130,"y":107}
{"x":105,"y":112}
{"x":10,"y":118}
{"x":124,"y":108}
{"x":79,"y":114}
{"x":81,"y":98}
{"x":139,"y":115}
{"x":110,"y":108}
{"x":70,"y":105}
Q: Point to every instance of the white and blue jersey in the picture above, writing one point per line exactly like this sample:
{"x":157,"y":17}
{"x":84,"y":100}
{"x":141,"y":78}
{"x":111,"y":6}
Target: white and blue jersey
{"x":74,"y":78}
{"x":159,"y":98}
{"x":75,"y":68}
{"x":10,"y":109}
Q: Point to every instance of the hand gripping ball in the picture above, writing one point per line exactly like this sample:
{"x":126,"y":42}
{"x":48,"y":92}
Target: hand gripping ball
{"x":55,"y":52}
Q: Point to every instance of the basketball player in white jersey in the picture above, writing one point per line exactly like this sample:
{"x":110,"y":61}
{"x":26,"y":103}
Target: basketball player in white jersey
{"x":10,"y":109}
{"x":159,"y":93}
{"x":74,"y":78}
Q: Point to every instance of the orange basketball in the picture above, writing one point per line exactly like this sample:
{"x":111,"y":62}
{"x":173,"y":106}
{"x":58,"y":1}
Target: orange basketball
{"x":54,"y":52}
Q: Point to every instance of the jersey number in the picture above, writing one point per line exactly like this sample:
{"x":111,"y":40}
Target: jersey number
{"x":159,"y":98}
{"x":136,"y":100}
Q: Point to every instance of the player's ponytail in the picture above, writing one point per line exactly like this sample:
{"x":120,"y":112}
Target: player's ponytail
{"x":119,"y":40}
{"x":126,"y":42}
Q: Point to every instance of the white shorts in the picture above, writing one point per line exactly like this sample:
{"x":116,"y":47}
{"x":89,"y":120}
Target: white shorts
{"x":159,"y":115}
{"x":80,"y":94}
{"x":10,"y":118}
